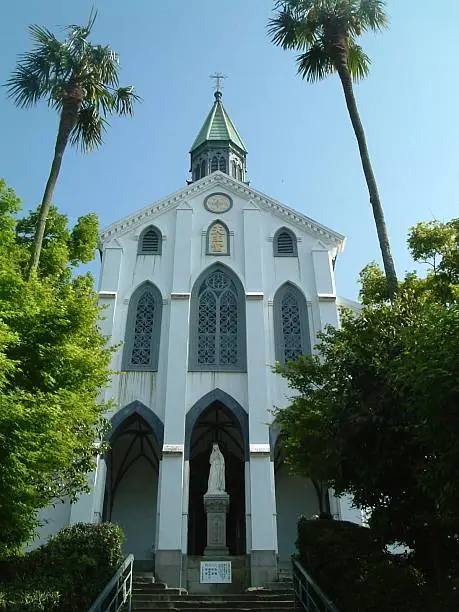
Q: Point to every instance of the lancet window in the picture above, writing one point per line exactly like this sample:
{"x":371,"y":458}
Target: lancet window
{"x":291,"y":332}
{"x":218,"y":322}
{"x":143,"y":328}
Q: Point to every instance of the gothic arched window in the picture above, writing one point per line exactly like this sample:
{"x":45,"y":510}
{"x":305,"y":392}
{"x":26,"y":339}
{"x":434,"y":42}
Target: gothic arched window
{"x":203,"y":168}
{"x":291,"y":327}
{"x":217,"y":329}
{"x":284,"y":243}
{"x":214,"y":164}
{"x":222,"y":164}
{"x":233,"y":169}
{"x":150,"y":242}
{"x":143,"y":329}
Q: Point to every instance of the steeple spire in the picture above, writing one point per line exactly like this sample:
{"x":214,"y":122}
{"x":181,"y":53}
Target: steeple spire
{"x":218,"y":145}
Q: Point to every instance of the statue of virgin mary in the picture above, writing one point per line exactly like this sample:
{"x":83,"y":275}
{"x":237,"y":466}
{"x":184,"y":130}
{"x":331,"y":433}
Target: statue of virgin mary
{"x":216,"y":483}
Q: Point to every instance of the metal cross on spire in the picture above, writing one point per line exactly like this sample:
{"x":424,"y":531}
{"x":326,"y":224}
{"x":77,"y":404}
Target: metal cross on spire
{"x":218,"y":76}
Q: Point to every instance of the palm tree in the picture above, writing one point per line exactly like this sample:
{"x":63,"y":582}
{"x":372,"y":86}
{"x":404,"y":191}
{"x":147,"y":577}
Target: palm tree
{"x":80,"y":81}
{"x":325,"y":33}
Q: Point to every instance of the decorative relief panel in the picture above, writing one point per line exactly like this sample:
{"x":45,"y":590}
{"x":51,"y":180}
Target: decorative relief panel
{"x":217,"y":239}
{"x":218,"y":203}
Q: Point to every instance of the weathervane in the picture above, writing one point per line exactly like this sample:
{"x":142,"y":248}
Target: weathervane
{"x":218,"y":76}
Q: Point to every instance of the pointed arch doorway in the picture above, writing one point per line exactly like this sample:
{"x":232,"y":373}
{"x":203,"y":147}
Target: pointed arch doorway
{"x":213,"y":420}
{"x":131,"y":488}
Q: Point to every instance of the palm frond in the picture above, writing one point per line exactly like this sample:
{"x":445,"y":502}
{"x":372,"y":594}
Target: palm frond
{"x":358,"y":61}
{"x":25,"y":87}
{"x":124,"y":100}
{"x":372,"y":15}
{"x":315,"y":64}
{"x":100,"y":96}
{"x":105,"y":64}
{"x":78,"y":33}
{"x":48,"y":56}
{"x":290,"y":30}
{"x":88,"y":131}
{"x":42,"y":36}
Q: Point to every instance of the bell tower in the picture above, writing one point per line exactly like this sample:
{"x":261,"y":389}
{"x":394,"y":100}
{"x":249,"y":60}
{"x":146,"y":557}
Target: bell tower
{"x":218,"y":145}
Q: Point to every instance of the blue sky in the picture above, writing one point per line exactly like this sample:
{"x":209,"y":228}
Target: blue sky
{"x":301,"y":146}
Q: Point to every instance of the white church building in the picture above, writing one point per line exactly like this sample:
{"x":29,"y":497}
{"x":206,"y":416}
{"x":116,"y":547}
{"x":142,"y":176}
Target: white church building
{"x":203,"y":292}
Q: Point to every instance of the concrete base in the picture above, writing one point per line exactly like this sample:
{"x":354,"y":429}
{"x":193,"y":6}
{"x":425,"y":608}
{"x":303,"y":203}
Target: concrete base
{"x":216,"y":506}
{"x":212,"y":552}
{"x":263,"y":567}
{"x":239,"y":573}
{"x":168,"y":567}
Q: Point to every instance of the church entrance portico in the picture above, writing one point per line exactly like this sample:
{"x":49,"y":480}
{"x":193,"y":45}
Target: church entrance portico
{"x":216,"y":424}
{"x":216,"y":419}
{"x":131,"y":486}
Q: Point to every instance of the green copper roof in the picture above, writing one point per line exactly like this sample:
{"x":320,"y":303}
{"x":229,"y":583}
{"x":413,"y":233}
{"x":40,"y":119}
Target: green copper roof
{"x":218,"y":126}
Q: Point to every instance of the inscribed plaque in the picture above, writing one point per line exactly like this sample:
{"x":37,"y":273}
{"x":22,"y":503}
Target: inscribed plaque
{"x":215,"y":572}
{"x":218,"y":240}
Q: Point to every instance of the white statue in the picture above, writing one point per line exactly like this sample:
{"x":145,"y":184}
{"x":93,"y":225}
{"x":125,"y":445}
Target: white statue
{"x":216,"y":483}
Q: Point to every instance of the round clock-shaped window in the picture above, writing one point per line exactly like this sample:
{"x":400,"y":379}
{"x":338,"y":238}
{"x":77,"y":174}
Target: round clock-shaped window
{"x":218,"y":203}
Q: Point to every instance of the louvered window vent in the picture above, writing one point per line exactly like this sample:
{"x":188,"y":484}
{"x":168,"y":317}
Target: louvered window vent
{"x":150,"y":243}
{"x":285,"y":244}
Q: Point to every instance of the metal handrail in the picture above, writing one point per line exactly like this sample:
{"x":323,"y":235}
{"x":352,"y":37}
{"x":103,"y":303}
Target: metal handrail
{"x":117,"y":595}
{"x":308,"y":595}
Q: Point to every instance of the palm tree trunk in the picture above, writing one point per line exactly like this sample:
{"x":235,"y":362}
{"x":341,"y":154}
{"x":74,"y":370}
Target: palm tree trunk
{"x":378,"y":213}
{"x":68,"y":119}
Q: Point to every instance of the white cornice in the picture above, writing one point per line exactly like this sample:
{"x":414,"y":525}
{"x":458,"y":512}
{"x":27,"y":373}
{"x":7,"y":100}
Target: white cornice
{"x":221,"y":179}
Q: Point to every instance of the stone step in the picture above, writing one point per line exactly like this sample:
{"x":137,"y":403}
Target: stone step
{"x":157,"y":586}
{"x":217,"y":598}
{"x":280,"y":585}
{"x":151,"y":589}
{"x":147,"y":607}
{"x":143,"y":577}
{"x":217,"y":605}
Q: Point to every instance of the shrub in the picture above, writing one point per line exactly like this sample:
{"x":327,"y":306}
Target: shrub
{"x":351,"y":567}
{"x":76,"y":563}
{"x":29,"y":600}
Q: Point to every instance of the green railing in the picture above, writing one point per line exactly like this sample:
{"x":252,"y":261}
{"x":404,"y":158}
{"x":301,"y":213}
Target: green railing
{"x":308,"y":595}
{"x":117,"y":595}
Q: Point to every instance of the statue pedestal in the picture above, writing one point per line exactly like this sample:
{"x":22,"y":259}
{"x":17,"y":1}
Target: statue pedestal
{"x":216,"y":506}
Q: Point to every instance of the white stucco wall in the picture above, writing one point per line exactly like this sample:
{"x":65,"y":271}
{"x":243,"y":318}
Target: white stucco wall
{"x":51,"y":519}
{"x":295,"y":496}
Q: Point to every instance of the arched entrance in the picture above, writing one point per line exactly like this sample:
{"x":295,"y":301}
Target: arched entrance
{"x":132,"y":484}
{"x":216,"y":423}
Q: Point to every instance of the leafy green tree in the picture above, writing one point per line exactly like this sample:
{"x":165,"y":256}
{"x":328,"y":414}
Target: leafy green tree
{"x":375,"y":411}
{"x":80,"y":81}
{"x":325,"y":33}
{"x":53,"y":363}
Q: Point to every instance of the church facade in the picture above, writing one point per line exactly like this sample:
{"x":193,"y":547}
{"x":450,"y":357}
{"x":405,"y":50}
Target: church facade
{"x":203,"y":292}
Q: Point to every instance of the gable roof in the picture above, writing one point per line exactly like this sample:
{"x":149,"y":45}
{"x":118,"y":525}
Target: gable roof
{"x":219,"y":179}
{"x":218,"y":126}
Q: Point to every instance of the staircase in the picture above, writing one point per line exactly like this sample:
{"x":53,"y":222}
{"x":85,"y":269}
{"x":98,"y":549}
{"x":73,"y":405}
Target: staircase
{"x":150,"y":596}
